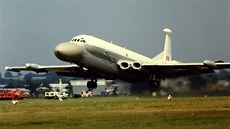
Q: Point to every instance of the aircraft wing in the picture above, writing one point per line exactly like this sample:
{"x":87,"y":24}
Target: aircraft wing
{"x":183,"y":69}
{"x":72,"y":70}
{"x":38,"y":68}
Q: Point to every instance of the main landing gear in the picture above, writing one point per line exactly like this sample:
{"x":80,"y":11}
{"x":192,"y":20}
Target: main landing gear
{"x":92,"y":84}
{"x":155,"y":82}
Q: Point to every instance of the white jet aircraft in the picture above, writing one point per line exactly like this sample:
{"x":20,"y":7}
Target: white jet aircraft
{"x":91,"y":57}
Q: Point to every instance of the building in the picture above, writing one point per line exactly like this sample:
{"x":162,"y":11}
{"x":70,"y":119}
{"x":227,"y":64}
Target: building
{"x":75,"y":87}
{"x":79,"y":85}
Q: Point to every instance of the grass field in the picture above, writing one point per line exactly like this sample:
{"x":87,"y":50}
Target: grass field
{"x":117,"y":112}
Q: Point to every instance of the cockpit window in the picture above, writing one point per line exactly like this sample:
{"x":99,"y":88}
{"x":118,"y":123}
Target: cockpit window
{"x":82,"y":40}
{"x":74,"y":40}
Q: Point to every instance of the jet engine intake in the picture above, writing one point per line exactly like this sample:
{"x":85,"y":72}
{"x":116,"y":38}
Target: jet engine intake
{"x":124,"y":64}
{"x":136,"y":65}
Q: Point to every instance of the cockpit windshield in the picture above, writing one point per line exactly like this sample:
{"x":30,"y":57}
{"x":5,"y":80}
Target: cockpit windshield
{"x":78,"y":39}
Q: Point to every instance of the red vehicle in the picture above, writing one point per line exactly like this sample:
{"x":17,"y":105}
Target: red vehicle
{"x":13,"y":94}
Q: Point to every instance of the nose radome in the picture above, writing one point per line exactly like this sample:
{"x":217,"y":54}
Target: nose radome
{"x":68,"y":52}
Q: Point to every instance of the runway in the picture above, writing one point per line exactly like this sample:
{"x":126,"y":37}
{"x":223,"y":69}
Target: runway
{"x":117,"y":113}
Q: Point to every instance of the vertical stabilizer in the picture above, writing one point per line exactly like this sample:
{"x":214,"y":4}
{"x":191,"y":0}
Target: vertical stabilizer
{"x":166,"y":54}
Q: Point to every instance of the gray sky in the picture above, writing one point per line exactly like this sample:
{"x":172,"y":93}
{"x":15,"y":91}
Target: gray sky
{"x":29,"y":30}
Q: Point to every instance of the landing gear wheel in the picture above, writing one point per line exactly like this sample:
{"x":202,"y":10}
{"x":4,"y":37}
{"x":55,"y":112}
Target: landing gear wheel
{"x":91,"y":85}
{"x":94,"y":85}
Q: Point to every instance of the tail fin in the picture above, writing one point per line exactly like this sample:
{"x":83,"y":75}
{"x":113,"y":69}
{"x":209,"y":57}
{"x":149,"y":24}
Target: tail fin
{"x":166,"y":54}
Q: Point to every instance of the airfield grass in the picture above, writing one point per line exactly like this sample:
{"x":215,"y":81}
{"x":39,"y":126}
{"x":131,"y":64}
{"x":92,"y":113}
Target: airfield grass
{"x":117,"y":112}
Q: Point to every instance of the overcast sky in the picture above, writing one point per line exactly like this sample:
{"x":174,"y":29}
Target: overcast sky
{"x":29,"y":30}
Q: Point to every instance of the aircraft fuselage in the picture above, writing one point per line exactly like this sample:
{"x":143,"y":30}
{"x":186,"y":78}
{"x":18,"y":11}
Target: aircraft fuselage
{"x":100,"y":56}
{"x":91,"y":57}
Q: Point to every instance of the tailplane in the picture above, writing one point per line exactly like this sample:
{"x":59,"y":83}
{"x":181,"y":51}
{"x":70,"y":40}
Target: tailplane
{"x":166,"y":54}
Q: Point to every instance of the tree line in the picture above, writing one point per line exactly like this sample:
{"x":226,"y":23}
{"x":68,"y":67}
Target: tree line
{"x":30,"y":81}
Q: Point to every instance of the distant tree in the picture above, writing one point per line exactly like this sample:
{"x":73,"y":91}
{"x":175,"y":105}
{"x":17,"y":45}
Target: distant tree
{"x":224,"y":75}
{"x":197,"y":81}
{"x":19,"y":74}
{"x":32,"y":86}
{"x":0,"y":76}
{"x":28,"y":76}
{"x":8,"y":74}
{"x":52,"y":77}
{"x":10,"y":85}
{"x":15,"y":84}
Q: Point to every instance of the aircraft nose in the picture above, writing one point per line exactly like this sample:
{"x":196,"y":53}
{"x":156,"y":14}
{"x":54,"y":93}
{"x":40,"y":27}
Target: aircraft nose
{"x":68,"y":52}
